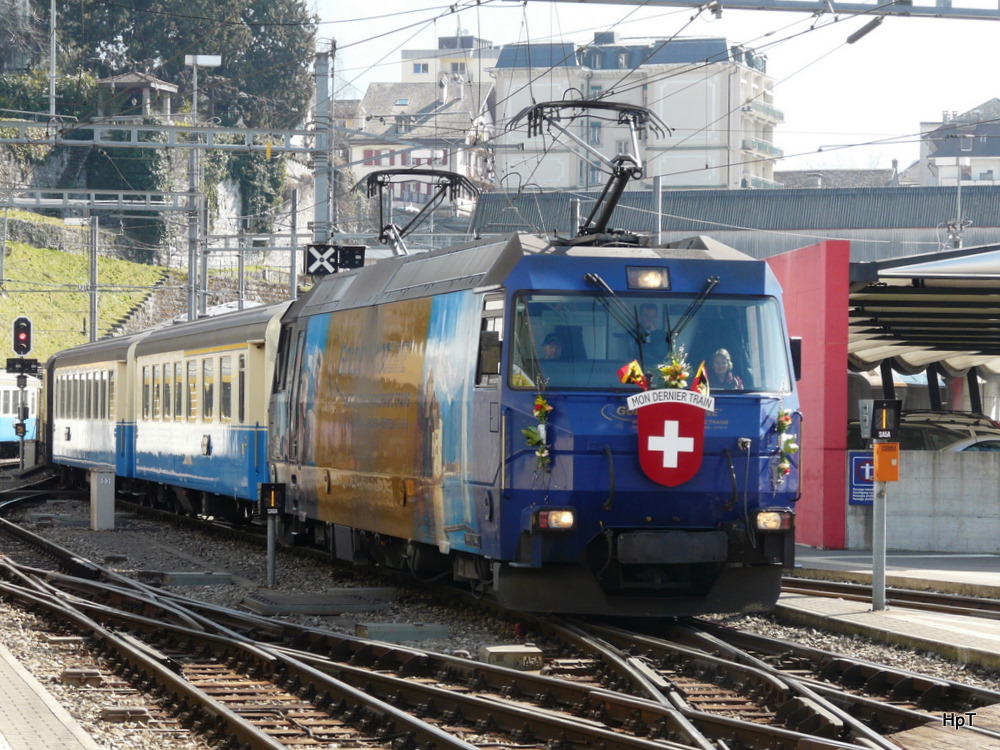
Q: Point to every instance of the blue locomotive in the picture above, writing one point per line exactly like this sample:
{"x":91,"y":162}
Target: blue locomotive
{"x":411,"y":414}
{"x":590,"y":425}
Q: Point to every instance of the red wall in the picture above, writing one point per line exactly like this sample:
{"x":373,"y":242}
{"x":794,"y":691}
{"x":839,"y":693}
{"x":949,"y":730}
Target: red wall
{"x":816,"y":281}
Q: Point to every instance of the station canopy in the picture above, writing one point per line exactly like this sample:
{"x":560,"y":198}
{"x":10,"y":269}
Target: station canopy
{"x":938,"y":308}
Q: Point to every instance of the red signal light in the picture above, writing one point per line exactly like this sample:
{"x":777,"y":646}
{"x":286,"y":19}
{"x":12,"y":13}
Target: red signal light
{"x":22,"y":335}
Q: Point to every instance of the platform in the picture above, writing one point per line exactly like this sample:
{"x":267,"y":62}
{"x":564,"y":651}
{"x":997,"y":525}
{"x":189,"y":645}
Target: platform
{"x":30,"y":718}
{"x":969,"y":640}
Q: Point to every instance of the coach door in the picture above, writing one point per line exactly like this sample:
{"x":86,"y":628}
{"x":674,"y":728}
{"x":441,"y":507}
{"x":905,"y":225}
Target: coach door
{"x":486,"y":432}
{"x":284,"y":416}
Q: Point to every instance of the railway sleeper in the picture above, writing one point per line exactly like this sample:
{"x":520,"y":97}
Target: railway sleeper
{"x":806,"y":716}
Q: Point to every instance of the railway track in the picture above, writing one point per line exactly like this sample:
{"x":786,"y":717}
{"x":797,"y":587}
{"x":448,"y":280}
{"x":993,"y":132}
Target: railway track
{"x":270,"y":683}
{"x":931,"y":601}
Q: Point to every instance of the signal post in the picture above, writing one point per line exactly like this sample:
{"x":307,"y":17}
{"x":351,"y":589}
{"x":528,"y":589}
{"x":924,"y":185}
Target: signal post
{"x":880,"y":422}
{"x":22,"y":367}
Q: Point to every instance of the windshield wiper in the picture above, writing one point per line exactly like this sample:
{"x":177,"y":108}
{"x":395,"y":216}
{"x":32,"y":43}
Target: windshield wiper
{"x":626,"y":318}
{"x":710,"y":283}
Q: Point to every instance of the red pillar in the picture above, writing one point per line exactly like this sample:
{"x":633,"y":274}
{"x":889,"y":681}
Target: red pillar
{"x":815,"y":281}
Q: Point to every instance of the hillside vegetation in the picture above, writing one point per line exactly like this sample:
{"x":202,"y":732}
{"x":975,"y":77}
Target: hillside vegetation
{"x":52,"y":288}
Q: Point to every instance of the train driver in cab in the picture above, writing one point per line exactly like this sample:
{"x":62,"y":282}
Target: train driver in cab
{"x":552,"y":347}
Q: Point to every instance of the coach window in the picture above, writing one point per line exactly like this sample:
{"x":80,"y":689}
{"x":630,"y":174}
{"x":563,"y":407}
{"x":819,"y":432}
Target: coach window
{"x":241,"y":389}
{"x":178,"y":390}
{"x":111,"y":395}
{"x":156,"y":391}
{"x":225,"y":389}
{"x":168,"y":390}
{"x":192,"y":389}
{"x":207,"y":389}
{"x":6,"y":402}
{"x":145,"y":392}
{"x":102,"y":395}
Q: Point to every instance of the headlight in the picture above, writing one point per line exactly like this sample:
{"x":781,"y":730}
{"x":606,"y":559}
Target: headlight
{"x":646,"y":277}
{"x":560,"y":519}
{"x":774,"y":520}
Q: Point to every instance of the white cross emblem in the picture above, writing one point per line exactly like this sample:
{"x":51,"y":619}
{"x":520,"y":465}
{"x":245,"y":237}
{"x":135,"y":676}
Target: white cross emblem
{"x":670,"y":443}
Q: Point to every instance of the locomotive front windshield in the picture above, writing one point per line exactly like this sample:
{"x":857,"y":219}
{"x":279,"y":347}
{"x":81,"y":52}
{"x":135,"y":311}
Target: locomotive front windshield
{"x":582,"y":340}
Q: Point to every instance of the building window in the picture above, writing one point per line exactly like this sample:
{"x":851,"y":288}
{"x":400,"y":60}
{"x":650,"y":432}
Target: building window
{"x":402,"y":102}
{"x":420,"y":68}
{"x":458,"y":67}
{"x":594,"y":137}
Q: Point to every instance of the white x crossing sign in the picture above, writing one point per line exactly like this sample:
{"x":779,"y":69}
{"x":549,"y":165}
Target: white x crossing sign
{"x":321,"y":260}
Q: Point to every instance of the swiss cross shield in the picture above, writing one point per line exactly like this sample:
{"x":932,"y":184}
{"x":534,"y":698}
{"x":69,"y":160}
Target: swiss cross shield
{"x":671,"y":426}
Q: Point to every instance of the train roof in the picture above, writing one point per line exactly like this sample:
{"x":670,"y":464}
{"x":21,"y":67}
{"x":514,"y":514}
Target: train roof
{"x":205,"y":333}
{"x":105,"y":350}
{"x":481,"y":264}
{"x":195,"y":334}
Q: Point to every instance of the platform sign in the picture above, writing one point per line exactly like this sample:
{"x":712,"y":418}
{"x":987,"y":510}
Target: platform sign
{"x":861,"y":482}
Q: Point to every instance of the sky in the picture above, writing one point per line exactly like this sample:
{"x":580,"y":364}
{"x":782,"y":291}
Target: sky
{"x":846,"y":105}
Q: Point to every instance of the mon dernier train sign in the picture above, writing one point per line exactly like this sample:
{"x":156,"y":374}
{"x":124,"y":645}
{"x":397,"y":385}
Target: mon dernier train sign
{"x":671,"y":425}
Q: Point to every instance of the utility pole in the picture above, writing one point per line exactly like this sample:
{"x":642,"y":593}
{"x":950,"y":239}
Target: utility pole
{"x":94,"y":235}
{"x":293,"y":270}
{"x":321,"y":225}
{"x":196,"y":205}
{"x":52,"y":61}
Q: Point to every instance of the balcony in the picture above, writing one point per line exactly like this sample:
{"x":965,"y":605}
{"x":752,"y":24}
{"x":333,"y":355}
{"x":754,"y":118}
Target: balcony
{"x":765,"y":110}
{"x":754,"y":182}
{"x":758,"y":146}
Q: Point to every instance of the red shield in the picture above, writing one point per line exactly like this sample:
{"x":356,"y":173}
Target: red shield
{"x":671,"y":441}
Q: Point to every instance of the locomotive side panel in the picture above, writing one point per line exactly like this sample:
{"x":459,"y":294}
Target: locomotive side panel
{"x":382,"y":410}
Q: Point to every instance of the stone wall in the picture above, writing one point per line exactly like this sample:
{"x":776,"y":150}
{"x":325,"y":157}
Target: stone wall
{"x":168,"y":300}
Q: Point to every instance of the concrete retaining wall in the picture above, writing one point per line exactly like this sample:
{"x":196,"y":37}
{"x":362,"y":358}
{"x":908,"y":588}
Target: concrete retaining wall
{"x":944,"y":502}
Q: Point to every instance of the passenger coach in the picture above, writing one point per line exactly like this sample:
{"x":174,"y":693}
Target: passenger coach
{"x":179,"y":412}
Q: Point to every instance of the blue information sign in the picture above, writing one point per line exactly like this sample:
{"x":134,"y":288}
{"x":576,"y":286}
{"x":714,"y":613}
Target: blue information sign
{"x":861,"y":482}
